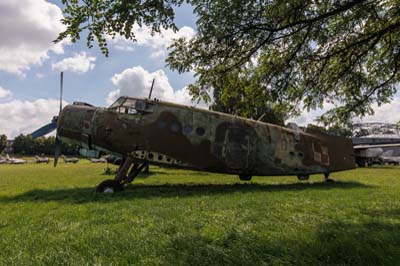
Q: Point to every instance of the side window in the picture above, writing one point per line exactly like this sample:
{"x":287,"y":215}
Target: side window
{"x":187,"y":129}
{"x":175,"y":127}
{"x":144,"y":107}
{"x":200,"y":131}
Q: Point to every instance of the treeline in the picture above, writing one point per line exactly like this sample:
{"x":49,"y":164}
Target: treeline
{"x":26,"y":145}
{"x":3,"y":142}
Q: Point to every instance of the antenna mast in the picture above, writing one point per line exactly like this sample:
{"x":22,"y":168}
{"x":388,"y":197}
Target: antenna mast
{"x":151,"y":89}
{"x":61,"y":89}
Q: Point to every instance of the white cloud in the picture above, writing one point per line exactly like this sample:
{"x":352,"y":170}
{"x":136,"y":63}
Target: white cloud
{"x":122,"y":47}
{"x":136,"y":82}
{"x":79,"y":63}
{"x":26,"y":116}
{"x":306,"y":118}
{"x":387,"y":113}
{"x":4,"y":93}
{"x":158,"y":42}
{"x":40,"y":75}
{"x":28,"y":28}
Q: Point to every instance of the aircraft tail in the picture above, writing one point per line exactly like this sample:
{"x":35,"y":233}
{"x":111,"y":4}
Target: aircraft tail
{"x":339,"y":149}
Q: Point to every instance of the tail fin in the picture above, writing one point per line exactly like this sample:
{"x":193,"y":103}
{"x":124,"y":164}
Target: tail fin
{"x":339,"y":149}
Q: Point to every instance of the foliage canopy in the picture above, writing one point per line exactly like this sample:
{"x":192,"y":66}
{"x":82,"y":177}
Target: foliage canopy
{"x":104,"y":17}
{"x":26,"y":145}
{"x":303,"y":54}
{"x":3,"y":142}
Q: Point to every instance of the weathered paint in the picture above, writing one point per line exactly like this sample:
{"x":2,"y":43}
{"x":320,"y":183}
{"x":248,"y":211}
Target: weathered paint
{"x":170,"y":134}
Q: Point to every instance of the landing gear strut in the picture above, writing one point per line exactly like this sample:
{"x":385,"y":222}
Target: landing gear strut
{"x":327,"y":179}
{"x":122,"y":177}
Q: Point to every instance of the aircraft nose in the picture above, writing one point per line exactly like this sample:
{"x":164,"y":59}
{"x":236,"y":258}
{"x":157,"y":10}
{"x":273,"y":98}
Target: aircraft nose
{"x":75,"y":124}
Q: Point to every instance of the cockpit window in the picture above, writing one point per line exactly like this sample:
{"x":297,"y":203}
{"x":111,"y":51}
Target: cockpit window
{"x":117,"y":103}
{"x":130,"y":103}
{"x":132,"y":106}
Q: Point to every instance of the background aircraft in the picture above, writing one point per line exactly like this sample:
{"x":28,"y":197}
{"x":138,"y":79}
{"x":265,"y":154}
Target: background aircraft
{"x":3,"y":160}
{"x":39,"y":159}
{"x":69,"y":159}
{"x":376,"y":143}
{"x":12,"y":160}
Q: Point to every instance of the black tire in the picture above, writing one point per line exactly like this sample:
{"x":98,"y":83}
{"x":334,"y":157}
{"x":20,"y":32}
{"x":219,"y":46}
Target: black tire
{"x":361,"y":162}
{"x":303,"y":177}
{"x":245,"y":177}
{"x":109,"y":186}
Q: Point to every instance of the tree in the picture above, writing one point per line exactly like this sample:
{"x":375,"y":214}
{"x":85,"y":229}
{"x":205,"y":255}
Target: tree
{"x":100,"y":18}
{"x":22,"y":144}
{"x":239,"y":95}
{"x":3,"y":142}
{"x":307,"y":53}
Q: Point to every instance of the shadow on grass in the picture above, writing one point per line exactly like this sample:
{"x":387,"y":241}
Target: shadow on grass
{"x":336,"y":243}
{"x":383,"y":213}
{"x":380,"y":167}
{"x":83,"y":195}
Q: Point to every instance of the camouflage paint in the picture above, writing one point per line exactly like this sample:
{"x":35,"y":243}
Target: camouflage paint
{"x":181,"y":136}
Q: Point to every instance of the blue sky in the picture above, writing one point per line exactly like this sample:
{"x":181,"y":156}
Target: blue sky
{"x":94,"y":85}
{"x":30,"y":66}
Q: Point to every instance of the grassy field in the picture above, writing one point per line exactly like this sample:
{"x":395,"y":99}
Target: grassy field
{"x":171,"y":217}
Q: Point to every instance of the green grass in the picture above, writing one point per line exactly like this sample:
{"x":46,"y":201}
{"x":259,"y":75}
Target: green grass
{"x":172,"y":217}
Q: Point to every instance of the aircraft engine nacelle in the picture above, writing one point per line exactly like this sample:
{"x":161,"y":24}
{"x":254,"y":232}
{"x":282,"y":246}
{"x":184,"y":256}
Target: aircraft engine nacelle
{"x":75,"y":125}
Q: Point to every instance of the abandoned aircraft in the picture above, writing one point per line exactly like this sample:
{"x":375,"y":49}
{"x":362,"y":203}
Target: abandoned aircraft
{"x":69,"y":159}
{"x":39,"y":159}
{"x":12,"y":160}
{"x":144,"y":131}
{"x":376,"y":143}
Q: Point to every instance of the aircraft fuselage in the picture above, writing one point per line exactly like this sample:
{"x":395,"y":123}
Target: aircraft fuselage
{"x":180,"y":136}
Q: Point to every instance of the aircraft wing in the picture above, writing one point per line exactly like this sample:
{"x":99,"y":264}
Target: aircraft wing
{"x":361,"y":147}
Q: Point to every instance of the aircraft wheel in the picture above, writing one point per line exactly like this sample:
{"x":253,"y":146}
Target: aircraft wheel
{"x":245,"y":177}
{"x":303,"y":177}
{"x":361,"y":162}
{"x":109,"y":186}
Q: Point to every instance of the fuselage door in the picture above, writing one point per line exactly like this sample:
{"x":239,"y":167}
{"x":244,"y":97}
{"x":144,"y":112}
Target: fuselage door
{"x":238,"y":148}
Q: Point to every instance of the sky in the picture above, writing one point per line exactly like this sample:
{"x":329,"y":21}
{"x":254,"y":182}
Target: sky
{"x":30,"y":65}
